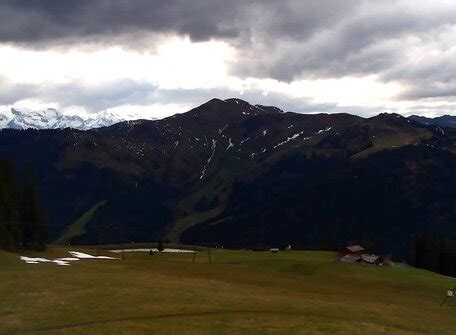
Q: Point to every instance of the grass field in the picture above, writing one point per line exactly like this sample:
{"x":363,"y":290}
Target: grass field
{"x":241,"y":292}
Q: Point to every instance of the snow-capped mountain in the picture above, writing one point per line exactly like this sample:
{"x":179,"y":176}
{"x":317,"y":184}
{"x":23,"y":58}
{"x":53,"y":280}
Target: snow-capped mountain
{"x":53,"y":119}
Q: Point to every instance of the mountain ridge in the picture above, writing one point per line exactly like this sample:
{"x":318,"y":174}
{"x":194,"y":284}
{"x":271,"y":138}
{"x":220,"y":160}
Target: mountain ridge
{"x":50,"y":118}
{"x":231,"y":173}
{"x":443,"y":121}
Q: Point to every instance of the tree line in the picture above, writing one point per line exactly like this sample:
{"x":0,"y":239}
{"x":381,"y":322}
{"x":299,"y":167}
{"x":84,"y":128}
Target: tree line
{"x":435,"y":253}
{"x":22,"y":220}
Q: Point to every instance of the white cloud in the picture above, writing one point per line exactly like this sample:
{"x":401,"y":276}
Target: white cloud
{"x":396,"y":56}
{"x":177,"y":63}
{"x":132,"y":112}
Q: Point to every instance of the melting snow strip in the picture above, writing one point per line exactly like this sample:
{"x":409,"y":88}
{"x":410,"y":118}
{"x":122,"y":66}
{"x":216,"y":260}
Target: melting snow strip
{"x":295,"y":136}
{"x":214,"y":145}
{"x":82,"y":255}
{"x":68,"y":259}
{"x":230,"y":144}
{"x":245,"y":140}
{"x":221,"y":130}
{"x":117,"y":251}
{"x":38,"y":260}
{"x":323,"y":130}
{"x":64,"y":261}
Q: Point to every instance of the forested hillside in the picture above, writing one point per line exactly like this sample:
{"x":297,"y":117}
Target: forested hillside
{"x":22,"y":223}
{"x":249,"y":176}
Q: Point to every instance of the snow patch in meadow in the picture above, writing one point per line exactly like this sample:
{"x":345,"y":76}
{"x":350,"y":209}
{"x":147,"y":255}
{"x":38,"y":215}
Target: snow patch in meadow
{"x":151,"y":249}
{"x":38,"y":260}
{"x":34,"y":260}
{"x":82,"y":255}
{"x":64,"y":261}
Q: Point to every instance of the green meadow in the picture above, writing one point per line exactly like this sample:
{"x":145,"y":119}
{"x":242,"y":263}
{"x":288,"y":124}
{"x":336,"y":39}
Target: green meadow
{"x":240,"y":292}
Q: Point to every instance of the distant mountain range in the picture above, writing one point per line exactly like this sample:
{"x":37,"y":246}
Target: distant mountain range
{"x":241,"y":175}
{"x":52,"y":119}
{"x":443,"y":121}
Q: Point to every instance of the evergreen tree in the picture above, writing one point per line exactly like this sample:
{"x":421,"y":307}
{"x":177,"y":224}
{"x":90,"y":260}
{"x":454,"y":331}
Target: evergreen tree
{"x":22,"y":221}
{"x":32,"y":216}
{"x":10,"y":229}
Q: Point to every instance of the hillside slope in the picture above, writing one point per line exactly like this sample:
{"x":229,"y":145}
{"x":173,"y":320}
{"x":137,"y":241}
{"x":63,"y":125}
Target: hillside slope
{"x":228,"y":172}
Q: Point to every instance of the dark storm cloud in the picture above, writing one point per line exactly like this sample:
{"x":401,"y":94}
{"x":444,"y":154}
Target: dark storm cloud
{"x":370,"y":39}
{"x":430,"y":76}
{"x":100,"y":97}
{"x":426,"y":90}
{"x":285,"y":40}
{"x":92,"y":98}
{"x":280,"y":39}
{"x":47,"y":21}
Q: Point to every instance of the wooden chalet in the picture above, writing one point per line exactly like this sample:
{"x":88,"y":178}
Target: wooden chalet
{"x":357,"y":254}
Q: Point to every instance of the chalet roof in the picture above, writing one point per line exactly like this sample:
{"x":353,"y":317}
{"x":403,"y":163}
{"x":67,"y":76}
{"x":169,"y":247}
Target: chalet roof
{"x":355,"y":248}
{"x":350,"y":258}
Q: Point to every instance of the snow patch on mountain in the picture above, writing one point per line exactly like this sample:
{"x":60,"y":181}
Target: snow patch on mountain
{"x":214,"y":146}
{"x":323,"y":130}
{"x":295,"y":136}
{"x":230,"y":144}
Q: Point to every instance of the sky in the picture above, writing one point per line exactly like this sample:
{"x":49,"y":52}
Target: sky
{"x":152,"y":58}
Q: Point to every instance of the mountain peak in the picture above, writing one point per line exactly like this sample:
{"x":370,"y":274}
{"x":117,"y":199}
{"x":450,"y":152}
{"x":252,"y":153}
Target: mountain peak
{"x":238,"y":102}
